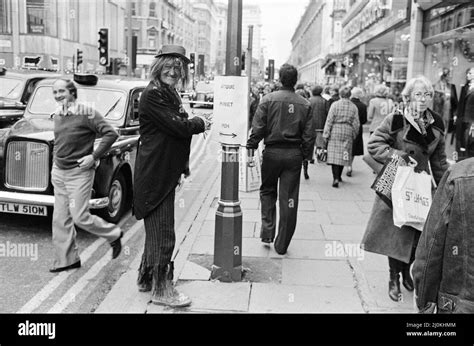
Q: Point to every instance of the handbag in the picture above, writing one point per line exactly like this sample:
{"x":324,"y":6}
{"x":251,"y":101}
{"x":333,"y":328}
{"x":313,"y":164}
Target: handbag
{"x":411,"y":198}
{"x":321,"y":155}
{"x":382,"y":184}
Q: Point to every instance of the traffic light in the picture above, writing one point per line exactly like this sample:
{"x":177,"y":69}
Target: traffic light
{"x":267,"y":73}
{"x":243,"y":60}
{"x":103,"y":46}
{"x":271,"y":69}
{"x":79,"y":57}
{"x":191,"y":63}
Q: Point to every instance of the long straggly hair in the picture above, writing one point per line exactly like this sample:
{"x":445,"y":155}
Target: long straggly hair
{"x":157,"y":66}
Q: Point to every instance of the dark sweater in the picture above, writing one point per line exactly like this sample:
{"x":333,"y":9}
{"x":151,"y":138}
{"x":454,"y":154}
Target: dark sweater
{"x":75,"y":133}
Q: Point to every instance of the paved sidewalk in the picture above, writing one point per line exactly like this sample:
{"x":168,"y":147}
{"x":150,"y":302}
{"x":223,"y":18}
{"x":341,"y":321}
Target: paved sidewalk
{"x":324,"y":270}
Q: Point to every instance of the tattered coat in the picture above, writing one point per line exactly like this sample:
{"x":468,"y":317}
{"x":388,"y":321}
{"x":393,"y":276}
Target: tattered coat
{"x":163,"y":152}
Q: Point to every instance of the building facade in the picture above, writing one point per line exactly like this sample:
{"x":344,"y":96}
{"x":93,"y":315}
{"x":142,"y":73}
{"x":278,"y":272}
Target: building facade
{"x":221,"y":38}
{"x":159,"y":22}
{"x":205,"y":12}
{"x":317,"y":41}
{"x":45,"y":34}
{"x":252,"y":15}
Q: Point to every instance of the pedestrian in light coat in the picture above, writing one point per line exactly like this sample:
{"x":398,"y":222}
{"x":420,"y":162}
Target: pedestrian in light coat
{"x":379,"y":107}
{"x":358,"y":145}
{"x":419,"y":134}
{"x":163,"y":154}
{"x":340,"y":130}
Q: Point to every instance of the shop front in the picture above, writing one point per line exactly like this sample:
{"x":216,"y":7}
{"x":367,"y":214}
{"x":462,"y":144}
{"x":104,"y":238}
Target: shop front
{"x":448,"y":35}
{"x":376,"y":38}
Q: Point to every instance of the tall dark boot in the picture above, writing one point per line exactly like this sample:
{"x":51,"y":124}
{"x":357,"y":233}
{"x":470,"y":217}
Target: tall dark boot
{"x":394,"y":286}
{"x":305,"y":169}
{"x":407,"y":280}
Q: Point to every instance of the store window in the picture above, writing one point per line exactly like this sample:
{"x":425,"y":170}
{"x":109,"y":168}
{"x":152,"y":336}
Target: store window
{"x":5,"y":17}
{"x":152,"y":12}
{"x":134,"y":8}
{"x":41,"y":17}
{"x":151,"y":40}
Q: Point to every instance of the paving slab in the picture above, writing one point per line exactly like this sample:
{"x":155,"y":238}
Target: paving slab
{"x":365,"y":206}
{"x":317,"y":218}
{"x":374,"y":262}
{"x":249,"y":203}
{"x":317,"y":273}
{"x":336,"y":206}
{"x":306,"y":205}
{"x":216,"y":295}
{"x":337,"y":195}
{"x":344,"y":232}
{"x":378,"y":285}
{"x":343,"y":217}
{"x":193,"y":271}
{"x":306,"y":249}
{"x":308,"y":230}
{"x":272,"y":298}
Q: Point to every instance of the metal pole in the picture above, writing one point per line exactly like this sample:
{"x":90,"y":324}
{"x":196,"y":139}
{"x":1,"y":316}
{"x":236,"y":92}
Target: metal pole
{"x":129,"y":37}
{"x":249,"y":54}
{"x":227,"y":265}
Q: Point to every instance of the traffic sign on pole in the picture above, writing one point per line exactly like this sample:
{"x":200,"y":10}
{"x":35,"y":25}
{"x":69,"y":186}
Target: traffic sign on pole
{"x":227,"y":264}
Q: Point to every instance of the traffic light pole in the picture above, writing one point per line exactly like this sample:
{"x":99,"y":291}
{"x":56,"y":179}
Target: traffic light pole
{"x":227,"y":265}
{"x":129,"y":37}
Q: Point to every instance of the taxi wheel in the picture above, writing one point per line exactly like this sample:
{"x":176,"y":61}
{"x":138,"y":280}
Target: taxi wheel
{"x":117,"y":199}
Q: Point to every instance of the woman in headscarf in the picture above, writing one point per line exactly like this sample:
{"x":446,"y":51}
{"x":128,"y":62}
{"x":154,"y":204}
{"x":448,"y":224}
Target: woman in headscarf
{"x":162,"y":159}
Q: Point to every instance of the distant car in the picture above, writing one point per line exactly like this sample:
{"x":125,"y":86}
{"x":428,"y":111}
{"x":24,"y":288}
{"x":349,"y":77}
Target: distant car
{"x":203,"y":94}
{"x":27,"y":152}
{"x":16,"y":87}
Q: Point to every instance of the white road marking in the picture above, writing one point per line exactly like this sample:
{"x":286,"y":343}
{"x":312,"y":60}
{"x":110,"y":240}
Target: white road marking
{"x":77,"y":288}
{"x":47,"y":290}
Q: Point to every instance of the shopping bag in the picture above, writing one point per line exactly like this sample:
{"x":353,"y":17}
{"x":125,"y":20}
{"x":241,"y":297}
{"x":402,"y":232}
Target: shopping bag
{"x":321,"y":155}
{"x":382,"y":184}
{"x":411,"y":198}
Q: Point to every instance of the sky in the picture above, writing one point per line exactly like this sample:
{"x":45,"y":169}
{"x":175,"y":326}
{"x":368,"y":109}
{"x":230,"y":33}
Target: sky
{"x":279,"y":21}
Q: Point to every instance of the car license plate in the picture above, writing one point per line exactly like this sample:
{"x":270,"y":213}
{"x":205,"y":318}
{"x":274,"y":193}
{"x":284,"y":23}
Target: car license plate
{"x":28,"y":209}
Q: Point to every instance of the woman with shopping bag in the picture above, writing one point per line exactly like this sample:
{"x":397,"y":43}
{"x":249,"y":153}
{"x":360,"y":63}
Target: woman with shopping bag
{"x":416,"y":132}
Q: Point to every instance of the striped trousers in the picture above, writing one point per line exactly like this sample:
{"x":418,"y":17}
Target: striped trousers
{"x":156,"y":265}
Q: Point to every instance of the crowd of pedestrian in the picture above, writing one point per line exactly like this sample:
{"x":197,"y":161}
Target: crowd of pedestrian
{"x":402,"y":123}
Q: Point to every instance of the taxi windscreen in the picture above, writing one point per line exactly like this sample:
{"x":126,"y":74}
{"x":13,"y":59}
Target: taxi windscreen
{"x":109,"y":103}
{"x":11,"y":88}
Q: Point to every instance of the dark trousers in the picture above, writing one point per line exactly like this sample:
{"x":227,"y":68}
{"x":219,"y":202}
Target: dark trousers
{"x":337,"y":171}
{"x":156,"y":266}
{"x":281,"y":166}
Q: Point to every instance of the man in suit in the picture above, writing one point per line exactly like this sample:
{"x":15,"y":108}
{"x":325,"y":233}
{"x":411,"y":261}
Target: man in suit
{"x":283,"y":121}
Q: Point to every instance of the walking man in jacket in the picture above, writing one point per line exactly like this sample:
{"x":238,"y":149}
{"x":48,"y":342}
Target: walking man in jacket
{"x":283,"y":120}
{"x":444,"y":259}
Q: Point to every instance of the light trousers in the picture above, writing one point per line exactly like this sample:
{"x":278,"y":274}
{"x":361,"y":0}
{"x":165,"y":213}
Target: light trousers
{"x":72,"y":191}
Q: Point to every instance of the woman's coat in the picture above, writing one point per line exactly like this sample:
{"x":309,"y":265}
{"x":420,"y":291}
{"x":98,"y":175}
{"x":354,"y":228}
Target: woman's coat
{"x":396,"y":135}
{"x":341,"y":128}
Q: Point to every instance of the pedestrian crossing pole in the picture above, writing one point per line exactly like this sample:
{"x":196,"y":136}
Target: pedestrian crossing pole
{"x":227,"y":265}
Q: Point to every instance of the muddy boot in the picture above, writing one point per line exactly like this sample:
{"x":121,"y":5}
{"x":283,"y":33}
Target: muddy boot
{"x":407,"y":280}
{"x":394,"y":286}
{"x":164,"y":292}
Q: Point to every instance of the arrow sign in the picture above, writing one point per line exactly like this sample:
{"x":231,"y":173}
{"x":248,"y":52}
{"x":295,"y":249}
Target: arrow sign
{"x":233,"y":135}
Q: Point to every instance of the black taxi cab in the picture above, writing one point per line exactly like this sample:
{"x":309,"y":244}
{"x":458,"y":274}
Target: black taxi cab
{"x":26,"y":153}
{"x":16,"y":87}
